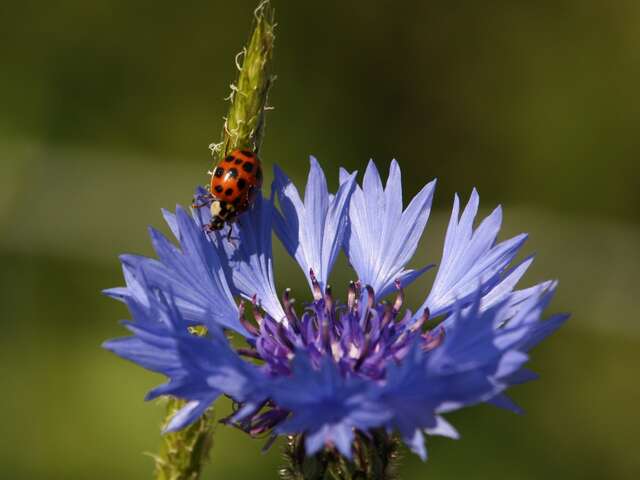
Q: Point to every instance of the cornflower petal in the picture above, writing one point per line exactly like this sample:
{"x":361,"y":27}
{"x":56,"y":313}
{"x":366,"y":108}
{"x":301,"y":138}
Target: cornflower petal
{"x":200,"y":368}
{"x":189,"y":413}
{"x":381,"y":238}
{"x":488,"y":348}
{"x":505,"y":287}
{"x":443,"y":428}
{"x":312,"y":231}
{"x":247,"y":255}
{"x":193,"y":274}
{"x":195,"y":271}
{"x":406,"y":394}
{"x":325,"y":405}
{"x":482,"y":354}
{"x":470,"y":258}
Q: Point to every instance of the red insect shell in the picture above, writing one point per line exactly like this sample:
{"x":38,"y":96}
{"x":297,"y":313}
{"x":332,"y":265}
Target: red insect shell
{"x":235,"y":183}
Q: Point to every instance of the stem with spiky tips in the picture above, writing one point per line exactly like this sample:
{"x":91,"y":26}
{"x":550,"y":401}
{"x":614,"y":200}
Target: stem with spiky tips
{"x":244,"y":124}
{"x":183,"y":454}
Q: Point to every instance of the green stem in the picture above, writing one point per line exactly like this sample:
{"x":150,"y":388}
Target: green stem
{"x":244,"y":124}
{"x":183,"y":454}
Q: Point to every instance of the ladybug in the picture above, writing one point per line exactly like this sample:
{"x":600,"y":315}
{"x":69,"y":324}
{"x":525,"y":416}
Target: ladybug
{"x":235,"y":183}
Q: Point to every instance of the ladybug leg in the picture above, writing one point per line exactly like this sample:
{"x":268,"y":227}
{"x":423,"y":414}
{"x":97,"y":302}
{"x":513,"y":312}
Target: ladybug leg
{"x":210,"y":228}
{"x":231,"y":239}
{"x":205,"y":198}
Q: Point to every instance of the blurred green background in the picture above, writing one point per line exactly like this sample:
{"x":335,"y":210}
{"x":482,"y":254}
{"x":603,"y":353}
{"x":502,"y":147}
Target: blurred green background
{"x":107,"y":109}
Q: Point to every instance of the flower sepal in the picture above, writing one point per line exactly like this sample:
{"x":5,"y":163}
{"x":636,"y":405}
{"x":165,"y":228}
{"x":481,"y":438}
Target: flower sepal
{"x":375,"y":457}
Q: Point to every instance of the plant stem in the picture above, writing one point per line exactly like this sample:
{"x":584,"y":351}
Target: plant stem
{"x":183,"y":454}
{"x":244,"y":124}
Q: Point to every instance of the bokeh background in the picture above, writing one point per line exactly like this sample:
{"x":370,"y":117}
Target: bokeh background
{"x":107,"y":110}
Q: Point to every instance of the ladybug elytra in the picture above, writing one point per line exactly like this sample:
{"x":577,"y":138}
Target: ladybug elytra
{"x":235,"y":182}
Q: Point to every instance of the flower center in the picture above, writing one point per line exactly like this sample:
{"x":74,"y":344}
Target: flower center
{"x":361,"y":337}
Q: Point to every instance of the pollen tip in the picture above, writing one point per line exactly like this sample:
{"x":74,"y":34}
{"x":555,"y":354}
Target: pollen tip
{"x":317,"y":291}
{"x":397,"y":305}
{"x":371,"y":296}
{"x":286,"y":298}
{"x":249,"y":327}
{"x":351,"y":295}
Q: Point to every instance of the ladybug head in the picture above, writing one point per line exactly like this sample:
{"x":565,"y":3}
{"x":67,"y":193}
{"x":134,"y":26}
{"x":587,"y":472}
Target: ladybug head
{"x":216,"y":224}
{"x":221,"y":213}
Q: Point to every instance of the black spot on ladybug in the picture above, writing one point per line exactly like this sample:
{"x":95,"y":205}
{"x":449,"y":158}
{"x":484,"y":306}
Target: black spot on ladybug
{"x":218,"y":188}
{"x":247,"y":153}
{"x":228,"y":192}
{"x":248,"y":167}
{"x":230,"y":158}
{"x":219,"y":171}
{"x":232,"y":173}
{"x":238,"y":161}
{"x":259,"y":174}
{"x":242,"y":183}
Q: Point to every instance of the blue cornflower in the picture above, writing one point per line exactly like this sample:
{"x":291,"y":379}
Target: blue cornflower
{"x":334,"y":368}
